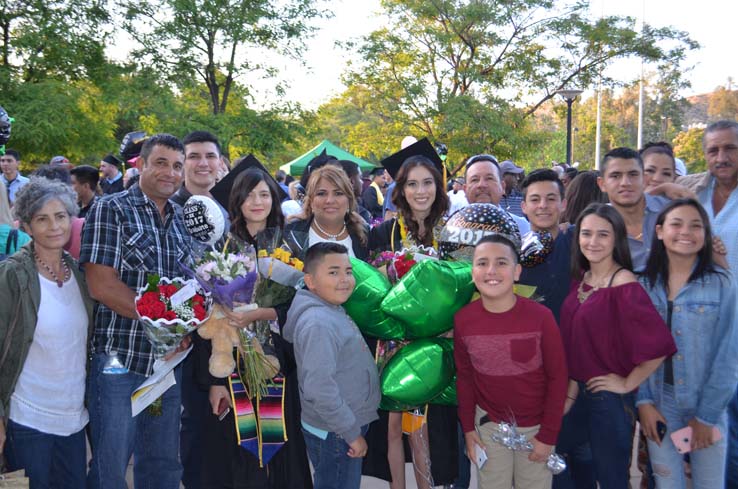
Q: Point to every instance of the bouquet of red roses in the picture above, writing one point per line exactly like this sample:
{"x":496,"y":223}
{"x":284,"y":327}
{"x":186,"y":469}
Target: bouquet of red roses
{"x":171,"y":309}
{"x":396,"y":264}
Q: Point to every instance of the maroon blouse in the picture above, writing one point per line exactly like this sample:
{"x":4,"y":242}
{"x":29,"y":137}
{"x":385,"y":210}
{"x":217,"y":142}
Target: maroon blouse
{"x":613,"y":331}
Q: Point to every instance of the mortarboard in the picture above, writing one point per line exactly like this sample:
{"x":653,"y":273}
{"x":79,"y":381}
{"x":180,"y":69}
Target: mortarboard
{"x":221,"y":192}
{"x":112,"y":160}
{"x":421,"y":148}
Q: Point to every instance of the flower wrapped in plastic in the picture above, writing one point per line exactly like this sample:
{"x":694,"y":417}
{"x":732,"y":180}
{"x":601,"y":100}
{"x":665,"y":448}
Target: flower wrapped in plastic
{"x":231,"y":277}
{"x":280,"y":272}
{"x":170,"y":309}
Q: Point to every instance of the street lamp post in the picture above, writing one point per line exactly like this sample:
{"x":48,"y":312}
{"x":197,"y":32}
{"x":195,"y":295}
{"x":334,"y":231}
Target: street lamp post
{"x":569,"y":95}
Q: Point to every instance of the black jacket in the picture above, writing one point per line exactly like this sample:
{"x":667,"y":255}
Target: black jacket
{"x":296,"y":235}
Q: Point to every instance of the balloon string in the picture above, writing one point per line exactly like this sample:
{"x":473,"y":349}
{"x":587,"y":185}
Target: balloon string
{"x":424,"y":447}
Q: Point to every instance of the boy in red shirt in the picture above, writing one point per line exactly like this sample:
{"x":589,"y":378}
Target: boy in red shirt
{"x":510,"y":366}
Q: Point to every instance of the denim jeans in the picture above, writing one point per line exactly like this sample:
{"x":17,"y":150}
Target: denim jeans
{"x":731,"y":467}
{"x":708,"y":464}
{"x":573,"y":445}
{"x":153,"y":440}
{"x":49,"y":460}
{"x":610,"y":421}
{"x":334,"y":469}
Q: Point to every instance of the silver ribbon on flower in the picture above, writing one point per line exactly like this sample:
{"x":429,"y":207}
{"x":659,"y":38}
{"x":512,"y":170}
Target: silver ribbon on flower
{"x":507,"y":435}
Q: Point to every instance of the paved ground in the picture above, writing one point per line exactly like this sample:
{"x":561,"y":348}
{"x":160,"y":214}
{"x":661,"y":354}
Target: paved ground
{"x":373,"y":483}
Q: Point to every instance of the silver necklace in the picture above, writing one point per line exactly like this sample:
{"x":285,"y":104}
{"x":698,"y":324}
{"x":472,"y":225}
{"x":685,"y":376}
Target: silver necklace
{"x":333,"y":237}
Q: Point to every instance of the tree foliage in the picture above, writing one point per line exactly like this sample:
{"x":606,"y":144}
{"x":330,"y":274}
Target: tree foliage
{"x":723,"y":104}
{"x":688,"y":147}
{"x":207,"y":41}
{"x":59,"y":39}
{"x":436,"y":60}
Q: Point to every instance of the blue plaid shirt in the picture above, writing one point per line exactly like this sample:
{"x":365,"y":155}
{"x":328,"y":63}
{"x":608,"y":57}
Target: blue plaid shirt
{"x":125,"y":231}
{"x":512,"y":203}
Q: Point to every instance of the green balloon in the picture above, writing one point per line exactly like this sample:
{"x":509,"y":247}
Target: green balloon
{"x":389,"y":405}
{"x":418,"y":372}
{"x":364,"y":305}
{"x":428,"y":296}
{"x":447,"y":397}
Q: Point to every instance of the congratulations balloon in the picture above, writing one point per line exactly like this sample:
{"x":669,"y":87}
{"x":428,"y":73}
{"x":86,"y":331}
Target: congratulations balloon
{"x":364,"y":305}
{"x":418,"y":372}
{"x":428,"y":296}
{"x":203,"y":219}
{"x":467,"y":226}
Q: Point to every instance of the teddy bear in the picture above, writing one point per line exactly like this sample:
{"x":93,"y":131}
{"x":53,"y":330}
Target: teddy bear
{"x":224,"y":337}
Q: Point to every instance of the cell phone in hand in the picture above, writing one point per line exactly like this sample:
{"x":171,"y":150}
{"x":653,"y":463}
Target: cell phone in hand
{"x":683,"y":438}
{"x":223,"y":409}
{"x":661,"y":430}
{"x":480,"y":456}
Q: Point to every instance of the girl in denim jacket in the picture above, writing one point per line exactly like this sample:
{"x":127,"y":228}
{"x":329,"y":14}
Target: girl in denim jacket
{"x":697,"y":299}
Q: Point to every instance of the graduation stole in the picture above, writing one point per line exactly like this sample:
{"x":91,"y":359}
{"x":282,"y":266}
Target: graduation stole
{"x":260,"y":429}
{"x":407,"y":239}
{"x":380,"y":196}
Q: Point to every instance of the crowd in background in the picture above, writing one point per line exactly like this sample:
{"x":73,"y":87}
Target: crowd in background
{"x":637,"y":320}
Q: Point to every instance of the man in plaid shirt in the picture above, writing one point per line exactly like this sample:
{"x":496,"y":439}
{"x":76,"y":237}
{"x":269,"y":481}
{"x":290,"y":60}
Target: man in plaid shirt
{"x":127,"y":236}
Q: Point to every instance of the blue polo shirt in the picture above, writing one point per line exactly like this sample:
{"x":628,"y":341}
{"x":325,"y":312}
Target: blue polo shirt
{"x":724,"y":223}
{"x":552,"y":277}
{"x":639,"y":250}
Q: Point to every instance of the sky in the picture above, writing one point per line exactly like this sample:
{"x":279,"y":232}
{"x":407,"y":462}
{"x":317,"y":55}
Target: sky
{"x":711,"y":24}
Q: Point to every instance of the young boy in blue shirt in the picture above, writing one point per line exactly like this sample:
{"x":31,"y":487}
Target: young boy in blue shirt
{"x":339,"y":383}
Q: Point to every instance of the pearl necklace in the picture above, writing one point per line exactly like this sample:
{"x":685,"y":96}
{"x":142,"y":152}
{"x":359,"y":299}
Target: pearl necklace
{"x":332,"y":237}
{"x":67,"y":272}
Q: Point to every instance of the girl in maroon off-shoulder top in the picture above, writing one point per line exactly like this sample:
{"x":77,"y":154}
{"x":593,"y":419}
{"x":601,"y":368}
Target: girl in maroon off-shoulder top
{"x":614,"y":339}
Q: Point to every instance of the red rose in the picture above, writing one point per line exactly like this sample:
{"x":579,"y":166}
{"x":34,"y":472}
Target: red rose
{"x":167,"y":290}
{"x":143,"y":310}
{"x":199,"y":312}
{"x":169,"y":315}
{"x":403,"y":265}
{"x":157,"y":310}
{"x":198,"y":299}
{"x":149,"y":298}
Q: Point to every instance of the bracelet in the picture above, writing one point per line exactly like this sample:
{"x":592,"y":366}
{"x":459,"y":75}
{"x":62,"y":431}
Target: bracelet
{"x":572,"y":398}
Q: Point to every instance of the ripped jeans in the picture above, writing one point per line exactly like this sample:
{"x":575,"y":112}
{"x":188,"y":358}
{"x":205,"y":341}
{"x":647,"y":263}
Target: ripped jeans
{"x":708,"y":464}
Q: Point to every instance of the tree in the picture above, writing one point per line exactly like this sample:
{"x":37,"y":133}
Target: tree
{"x":723,"y":104}
{"x":688,"y":147}
{"x":510,"y":57}
{"x":63,"y":39}
{"x":207,"y":41}
{"x":54,"y":117}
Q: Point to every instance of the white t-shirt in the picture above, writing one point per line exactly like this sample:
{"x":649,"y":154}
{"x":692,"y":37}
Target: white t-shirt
{"x":50,"y":392}
{"x":290,"y":207}
{"x":314,"y":237}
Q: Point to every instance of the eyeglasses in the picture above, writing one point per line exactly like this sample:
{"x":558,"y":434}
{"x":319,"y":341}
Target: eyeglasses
{"x":482,"y":157}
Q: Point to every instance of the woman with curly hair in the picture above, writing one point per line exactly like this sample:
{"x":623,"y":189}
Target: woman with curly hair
{"x":45,"y":323}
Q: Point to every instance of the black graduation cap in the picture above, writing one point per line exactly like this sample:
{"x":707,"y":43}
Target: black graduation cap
{"x":319,"y":161}
{"x":222,"y":190}
{"x":421,"y":148}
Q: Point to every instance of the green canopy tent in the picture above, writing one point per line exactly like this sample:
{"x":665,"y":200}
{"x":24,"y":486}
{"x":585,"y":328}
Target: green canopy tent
{"x":297,"y":166}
